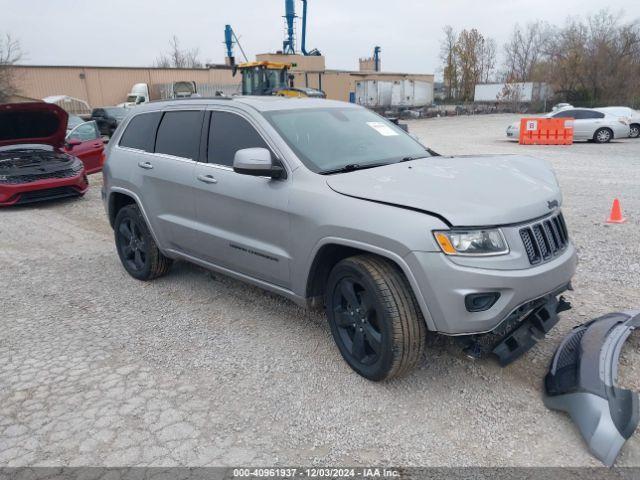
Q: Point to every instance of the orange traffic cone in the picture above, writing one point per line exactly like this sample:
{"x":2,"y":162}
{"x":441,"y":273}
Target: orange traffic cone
{"x":616,"y":213}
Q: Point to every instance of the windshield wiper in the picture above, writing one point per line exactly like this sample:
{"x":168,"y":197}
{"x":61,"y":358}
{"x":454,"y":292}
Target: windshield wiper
{"x":414,"y":157}
{"x":351,"y":167}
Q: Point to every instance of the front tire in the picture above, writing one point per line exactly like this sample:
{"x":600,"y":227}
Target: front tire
{"x":603,"y":135}
{"x":137,"y":250}
{"x":374,"y":317}
{"x":634,"y":130}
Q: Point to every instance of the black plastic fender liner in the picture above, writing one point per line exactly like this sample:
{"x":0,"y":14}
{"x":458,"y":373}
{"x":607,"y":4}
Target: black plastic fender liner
{"x":581,"y":381}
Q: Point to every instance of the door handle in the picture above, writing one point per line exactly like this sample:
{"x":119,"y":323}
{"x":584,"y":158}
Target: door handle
{"x":207,"y":179}
{"x":145,"y":165}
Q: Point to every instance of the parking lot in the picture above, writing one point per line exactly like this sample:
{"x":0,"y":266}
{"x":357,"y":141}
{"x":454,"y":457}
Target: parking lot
{"x":197,"y":369}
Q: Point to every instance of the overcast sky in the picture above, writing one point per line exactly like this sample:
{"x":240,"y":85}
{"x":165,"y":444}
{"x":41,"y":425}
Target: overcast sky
{"x":134,"y":32}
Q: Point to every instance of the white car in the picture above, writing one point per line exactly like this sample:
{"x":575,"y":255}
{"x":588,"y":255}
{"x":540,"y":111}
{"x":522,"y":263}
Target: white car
{"x":589,"y":125}
{"x":629,"y":114}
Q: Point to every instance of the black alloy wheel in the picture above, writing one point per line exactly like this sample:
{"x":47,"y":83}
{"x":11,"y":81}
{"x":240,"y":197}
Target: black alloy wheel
{"x":137,"y":250}
{"x":374,"y":317}
{"x":358,"y":321}
{"x":134,"y":249}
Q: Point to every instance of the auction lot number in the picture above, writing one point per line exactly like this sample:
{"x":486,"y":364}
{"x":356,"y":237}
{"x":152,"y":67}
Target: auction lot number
{"x":363,"y":473}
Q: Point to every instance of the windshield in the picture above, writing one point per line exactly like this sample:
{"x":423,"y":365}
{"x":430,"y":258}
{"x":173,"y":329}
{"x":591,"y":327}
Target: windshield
{"x":132,"y":99}
{"x":74,"y":121}
{"x":118,"y":113}
{"x":275,"y":79}
{"x":332,"y":138}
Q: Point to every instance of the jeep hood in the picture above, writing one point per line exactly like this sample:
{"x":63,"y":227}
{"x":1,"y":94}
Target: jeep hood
{"x":32,"y":123}
{"x":465,"y":190}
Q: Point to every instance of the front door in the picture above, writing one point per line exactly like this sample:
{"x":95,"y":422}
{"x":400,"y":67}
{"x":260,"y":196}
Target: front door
{"x":243,"y":221}
{"x":90,"y":149}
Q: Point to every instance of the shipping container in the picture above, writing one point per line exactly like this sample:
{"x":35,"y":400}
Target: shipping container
{"x":394,"y":94}
{"x":524,"y":92}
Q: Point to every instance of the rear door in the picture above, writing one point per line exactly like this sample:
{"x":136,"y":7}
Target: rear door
{"x":90,"y":151}
{"x":165,"y":158}
{"x":581,"y":127}
{"x":591,"y":121}
{"x":243,"y":221}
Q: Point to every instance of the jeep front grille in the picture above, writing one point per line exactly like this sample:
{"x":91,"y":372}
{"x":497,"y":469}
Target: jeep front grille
{"x":545,"y":240}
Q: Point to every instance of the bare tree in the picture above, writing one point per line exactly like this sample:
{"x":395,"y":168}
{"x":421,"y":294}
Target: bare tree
{"x":177,"y":57}
{"x":595,"y":60}
{"x":524,"y":51}
{"x":475,"y":61}
{"x":487,"y":56}
{"x":449,"y":59}
{"x":468,"y":58}
{"x":10,"y":54}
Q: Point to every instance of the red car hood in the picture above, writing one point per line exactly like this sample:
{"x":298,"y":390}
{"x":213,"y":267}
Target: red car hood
{"x":36,"y":122}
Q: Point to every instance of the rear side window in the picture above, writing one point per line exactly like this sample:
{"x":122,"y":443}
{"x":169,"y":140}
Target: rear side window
{"x":179,"y":134}
{"x":586,"y":114}
{"x":566,"y":114}
{"x":141,"y":131}
{"x":229,"y":133}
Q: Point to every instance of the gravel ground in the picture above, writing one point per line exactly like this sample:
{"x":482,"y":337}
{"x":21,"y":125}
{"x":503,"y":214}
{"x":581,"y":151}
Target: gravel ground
{"x":198,"y":369}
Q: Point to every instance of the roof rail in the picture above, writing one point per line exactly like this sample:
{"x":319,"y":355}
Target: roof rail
{"x":217,"y":97}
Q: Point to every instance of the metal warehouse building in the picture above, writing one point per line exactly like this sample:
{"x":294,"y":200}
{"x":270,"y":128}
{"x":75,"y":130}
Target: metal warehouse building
{"x":102,"y":86}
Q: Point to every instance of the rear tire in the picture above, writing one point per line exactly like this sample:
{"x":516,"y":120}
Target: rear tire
{"x":603,"y":135}
{"x":634,"y":130}
{"x":137,"y":250}
{"x":374,"y":317}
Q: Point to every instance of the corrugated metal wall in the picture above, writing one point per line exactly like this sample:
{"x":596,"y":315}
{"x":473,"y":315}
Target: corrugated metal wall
{"x":102,"y":86}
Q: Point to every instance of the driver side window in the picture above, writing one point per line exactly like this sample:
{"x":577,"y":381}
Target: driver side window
{"x":228,"y":133}
{"x":84,"y":132}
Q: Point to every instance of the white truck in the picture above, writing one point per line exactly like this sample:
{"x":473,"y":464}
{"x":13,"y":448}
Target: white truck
{"x":142,"y":93}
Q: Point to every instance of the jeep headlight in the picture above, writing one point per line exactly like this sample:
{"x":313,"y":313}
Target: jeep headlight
{"x":472,"y":242}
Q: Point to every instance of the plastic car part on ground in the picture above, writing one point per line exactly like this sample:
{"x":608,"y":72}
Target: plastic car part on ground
{"x":581,"y":382}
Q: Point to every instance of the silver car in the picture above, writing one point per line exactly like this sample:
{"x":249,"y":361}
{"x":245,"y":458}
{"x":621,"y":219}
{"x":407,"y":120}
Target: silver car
{"x":334,"y":207}
{"x":589,"y":125}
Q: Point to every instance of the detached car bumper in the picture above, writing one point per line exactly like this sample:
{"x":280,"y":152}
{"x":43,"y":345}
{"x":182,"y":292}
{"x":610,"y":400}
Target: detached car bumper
{"x":41,"y":190}
{"x":582,"y":382}
{"x":447,"y":287}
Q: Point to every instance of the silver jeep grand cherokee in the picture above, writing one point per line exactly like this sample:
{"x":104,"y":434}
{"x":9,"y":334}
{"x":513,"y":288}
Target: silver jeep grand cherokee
{"x":329,"y":204}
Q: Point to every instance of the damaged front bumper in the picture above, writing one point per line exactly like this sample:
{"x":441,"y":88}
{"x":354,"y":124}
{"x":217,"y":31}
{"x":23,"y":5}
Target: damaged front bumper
{"x":526,"y":325}
{"x":581,"y":382}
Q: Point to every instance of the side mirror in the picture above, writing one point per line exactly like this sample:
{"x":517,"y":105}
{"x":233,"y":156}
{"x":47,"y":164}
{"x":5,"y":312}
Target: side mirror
{"x":256,"y":162}
{"x":73,"y":142}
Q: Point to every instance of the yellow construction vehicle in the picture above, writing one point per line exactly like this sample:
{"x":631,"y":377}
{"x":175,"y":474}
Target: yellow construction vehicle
{"x":271,"y":78}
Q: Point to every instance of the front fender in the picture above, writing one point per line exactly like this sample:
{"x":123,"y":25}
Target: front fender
{"x":393,"y":256}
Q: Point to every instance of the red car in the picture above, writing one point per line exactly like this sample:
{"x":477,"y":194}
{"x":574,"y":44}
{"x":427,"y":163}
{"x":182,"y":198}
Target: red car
{"x":33,"y":163}
{"x":85,"y":142}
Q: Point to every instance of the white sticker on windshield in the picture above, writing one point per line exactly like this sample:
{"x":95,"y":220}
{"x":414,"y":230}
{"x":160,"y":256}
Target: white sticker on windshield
{"x":383,"y":129}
